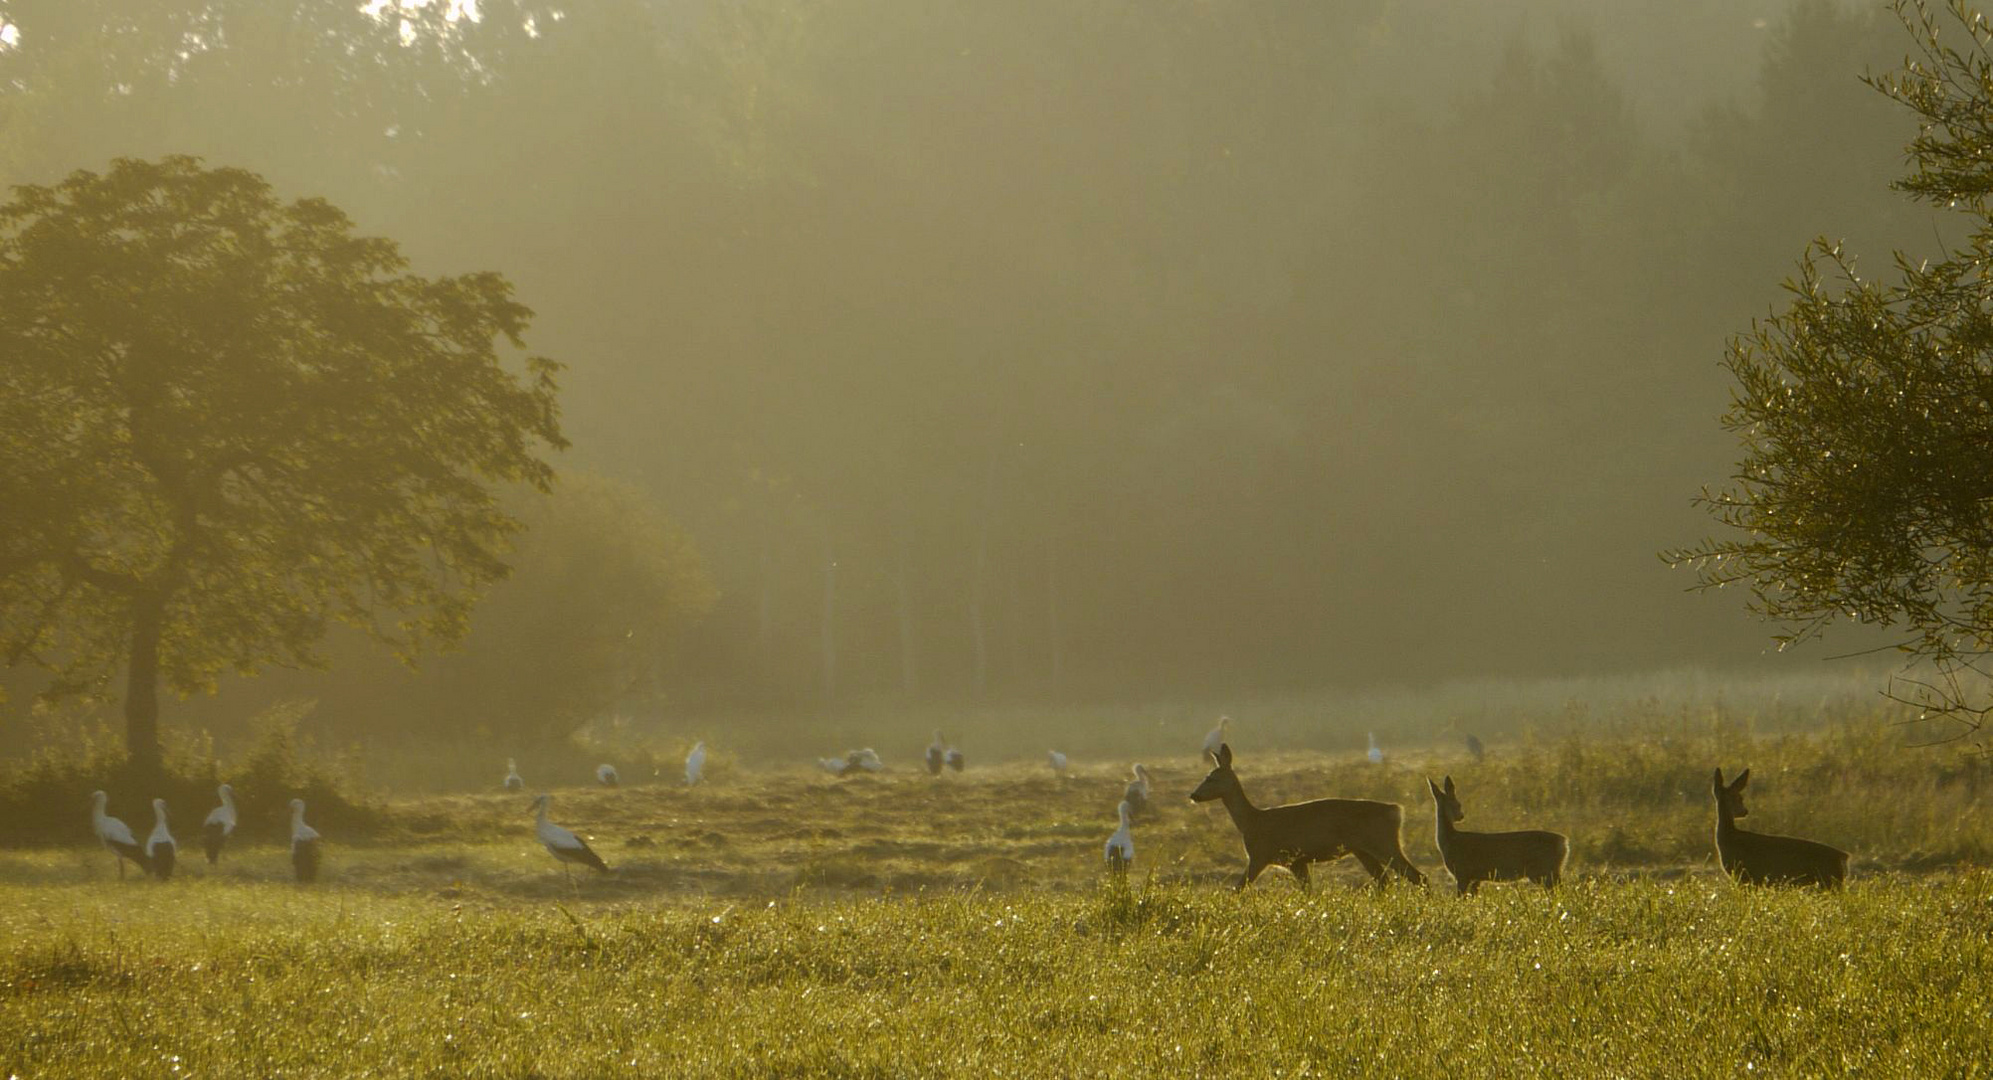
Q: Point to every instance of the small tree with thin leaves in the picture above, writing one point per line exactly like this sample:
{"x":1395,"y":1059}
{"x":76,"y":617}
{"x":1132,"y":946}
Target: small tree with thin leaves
{"x":1866,"y":413}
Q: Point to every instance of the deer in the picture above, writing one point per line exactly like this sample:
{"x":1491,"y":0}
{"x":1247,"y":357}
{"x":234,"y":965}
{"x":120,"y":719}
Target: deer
{"x":1301,"y":833}
{"x":1475,"y":857}
{"x":1764,"y":859}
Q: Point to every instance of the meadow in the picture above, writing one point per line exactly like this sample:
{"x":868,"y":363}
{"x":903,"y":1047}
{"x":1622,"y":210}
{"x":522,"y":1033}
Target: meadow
{"x":780,"y":921}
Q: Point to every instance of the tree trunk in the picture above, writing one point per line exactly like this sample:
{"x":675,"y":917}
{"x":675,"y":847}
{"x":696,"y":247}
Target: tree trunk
{"x":765,"y":611}
{"x":976,"y":625}
{"x":979,"y":584}
{"x":909,"y":669}
{"x":829,"y":622}
{"x":142,"y":684}
{"x":1052,"y":631}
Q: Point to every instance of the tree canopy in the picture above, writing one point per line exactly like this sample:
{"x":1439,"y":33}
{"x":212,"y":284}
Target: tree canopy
{"x":226,"y":421}
{"x":1865,"y":408}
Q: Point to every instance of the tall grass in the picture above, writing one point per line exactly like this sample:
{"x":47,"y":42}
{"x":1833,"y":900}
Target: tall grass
{"x":778,"y":921}
{"x":1601,"y":979}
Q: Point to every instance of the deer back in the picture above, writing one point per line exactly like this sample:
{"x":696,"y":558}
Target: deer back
{"x":1762,"y":858}
{"x":1327,"y":828}
{"x":1506,"y":856}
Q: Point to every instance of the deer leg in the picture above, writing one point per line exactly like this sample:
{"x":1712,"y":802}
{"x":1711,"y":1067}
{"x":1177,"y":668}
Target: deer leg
{"x":1371,"y":864}
{"x":1299,"y":868}
{"x":1253,"y":867}
{"x":1405,"y":867}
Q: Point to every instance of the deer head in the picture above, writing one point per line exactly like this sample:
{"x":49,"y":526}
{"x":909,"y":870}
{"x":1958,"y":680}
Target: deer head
{"x":1448,"y":800}
{"x":1222,"y":780}
{"x":1730,"y":799}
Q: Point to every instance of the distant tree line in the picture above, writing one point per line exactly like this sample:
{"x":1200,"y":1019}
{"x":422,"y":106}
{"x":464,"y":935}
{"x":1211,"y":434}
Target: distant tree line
{"x":1049,"y":349}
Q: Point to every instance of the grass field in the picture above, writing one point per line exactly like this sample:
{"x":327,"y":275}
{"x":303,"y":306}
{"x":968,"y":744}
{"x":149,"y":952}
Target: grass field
{"x":782,"y":922}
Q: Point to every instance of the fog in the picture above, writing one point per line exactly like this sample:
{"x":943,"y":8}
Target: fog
{"x":1068,"y":350}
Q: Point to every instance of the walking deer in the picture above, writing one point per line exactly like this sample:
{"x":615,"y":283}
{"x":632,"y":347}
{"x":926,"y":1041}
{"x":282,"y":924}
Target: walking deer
{"x":1475,"y":857}
{"x":1761,"y":858}
{"x":1300,"y":833}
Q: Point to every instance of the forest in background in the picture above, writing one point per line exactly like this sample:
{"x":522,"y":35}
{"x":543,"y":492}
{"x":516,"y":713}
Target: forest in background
{"x":1055,"y":351}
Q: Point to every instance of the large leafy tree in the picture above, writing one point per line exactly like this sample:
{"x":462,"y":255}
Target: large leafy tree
{"x":226,"y":420}
{"x":1866,"y":412}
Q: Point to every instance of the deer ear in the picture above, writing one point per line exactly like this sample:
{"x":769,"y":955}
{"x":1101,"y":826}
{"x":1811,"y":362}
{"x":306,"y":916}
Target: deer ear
{"x":1718,"y":782}
{"x":1742,"y":779}
{"x":1434,"y":787}
{"x":1225,"y":755}
{"x":1449,"y":785}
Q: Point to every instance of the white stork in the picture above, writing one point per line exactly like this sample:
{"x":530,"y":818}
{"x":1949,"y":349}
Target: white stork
{"x":116,"y":836}
{"x":605,"y":774}
{"x":220,"y":824}
{"x":1375,"y":753}
{"x":1136,"y":794}
{"x":1121,"y":846}
{"x":159,"y":847}
{"x":936,"y":750}
{"x":1218,"y":736}
{"x":564,"y":845}
{"x":954,"y":759}
{"x":1058,"y":761}
{"x":833,"y":766}
{"x":513,"y":781}
{"x":304,"y":845}
{"x":695,"y":763}
{"x":868,"y":759}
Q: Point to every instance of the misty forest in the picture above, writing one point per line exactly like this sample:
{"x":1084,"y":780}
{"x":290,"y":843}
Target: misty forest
{"x":650,"y":536}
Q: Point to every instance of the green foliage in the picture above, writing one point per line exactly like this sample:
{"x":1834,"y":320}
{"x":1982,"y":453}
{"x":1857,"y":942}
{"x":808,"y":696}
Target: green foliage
{"x":1866,"y":412}
{"x":226,"y":421}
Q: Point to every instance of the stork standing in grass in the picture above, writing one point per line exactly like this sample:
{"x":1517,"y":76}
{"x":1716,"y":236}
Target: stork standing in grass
{"x":1121,"y":846}
{"x":513,"y":781}
{"x":116,"y":836}
{"x":564,"y":845}
{"x":936,"y":750}
{"x":695,"y":763}
{"x":1136,"y":794}
{"x":1375,"y":753}
{"x":220,"y":824}
{"x":1218,"y":736}
{"x":954,"y":759}
{"x":605,"y":774}
{"x":159,"y":847}
{"x":1058,"y":761}
{"x":304,"y":846}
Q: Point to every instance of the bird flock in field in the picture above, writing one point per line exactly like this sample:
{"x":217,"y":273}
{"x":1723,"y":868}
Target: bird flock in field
{"x":157,"y":855}
{"x":1292,"y":836}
